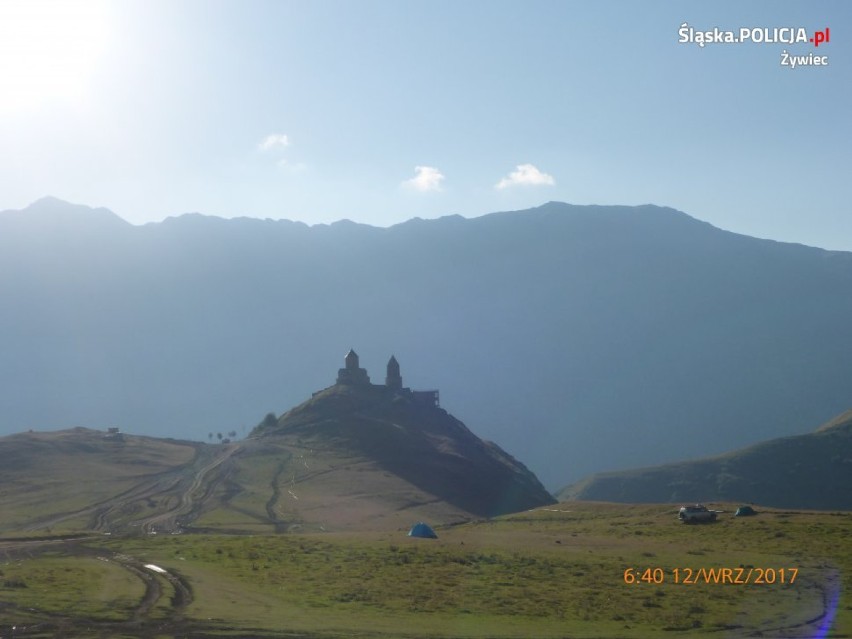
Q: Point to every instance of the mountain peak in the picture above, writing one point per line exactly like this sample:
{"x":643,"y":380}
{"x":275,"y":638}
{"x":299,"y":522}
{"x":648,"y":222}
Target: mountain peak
{"x":48,"y":201}
{"x":51,"y":212}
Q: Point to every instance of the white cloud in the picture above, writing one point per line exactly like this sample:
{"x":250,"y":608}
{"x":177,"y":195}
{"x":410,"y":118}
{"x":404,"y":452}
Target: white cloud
{"x":274,"y":140}
{"x":525,"y":174}
{"x":427,"y":178}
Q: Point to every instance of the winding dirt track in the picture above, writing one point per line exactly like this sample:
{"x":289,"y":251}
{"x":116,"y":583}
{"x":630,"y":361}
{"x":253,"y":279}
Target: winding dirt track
{"x":179,"y":493}
{"x":139,"y":622}
{"x":204,"y":481}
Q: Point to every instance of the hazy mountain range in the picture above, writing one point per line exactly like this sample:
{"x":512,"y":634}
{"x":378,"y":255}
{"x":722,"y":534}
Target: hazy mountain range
{"x":578,"y":338}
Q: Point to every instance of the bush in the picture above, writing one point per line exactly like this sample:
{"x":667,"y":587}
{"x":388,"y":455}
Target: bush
{"x":14,"y":583}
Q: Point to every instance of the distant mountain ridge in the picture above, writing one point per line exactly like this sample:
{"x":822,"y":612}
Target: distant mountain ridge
{"x":579,"y":338}
{"x":805,"y":471}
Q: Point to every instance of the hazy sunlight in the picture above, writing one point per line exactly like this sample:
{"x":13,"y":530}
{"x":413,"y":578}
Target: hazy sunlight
{"x":48,"y":50}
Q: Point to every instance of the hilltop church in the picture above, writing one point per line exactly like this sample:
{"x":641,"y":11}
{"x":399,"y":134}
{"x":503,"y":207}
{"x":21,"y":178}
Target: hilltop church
{"x":353,"y":375}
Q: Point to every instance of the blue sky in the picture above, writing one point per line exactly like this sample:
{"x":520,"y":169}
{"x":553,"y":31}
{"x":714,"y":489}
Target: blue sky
{"x":318,"y":111}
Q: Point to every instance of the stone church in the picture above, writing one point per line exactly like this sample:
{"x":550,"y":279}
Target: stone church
{"x":353,"y":375}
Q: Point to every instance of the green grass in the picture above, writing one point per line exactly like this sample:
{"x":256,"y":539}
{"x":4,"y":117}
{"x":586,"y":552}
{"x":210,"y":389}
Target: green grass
{"x":81,"y":586}
{"x":509,"y":577}
{"x":535,"y":574}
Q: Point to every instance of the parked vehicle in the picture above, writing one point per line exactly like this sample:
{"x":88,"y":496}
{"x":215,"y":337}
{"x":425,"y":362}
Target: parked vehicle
{"x":696,"y":514}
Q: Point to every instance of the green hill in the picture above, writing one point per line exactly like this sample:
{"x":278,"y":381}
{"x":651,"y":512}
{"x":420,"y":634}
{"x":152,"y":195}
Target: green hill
{"x":350,"y":458}
{"x":806,"y":471}
{"x":414,"y":441}
{"x":87,"y":479}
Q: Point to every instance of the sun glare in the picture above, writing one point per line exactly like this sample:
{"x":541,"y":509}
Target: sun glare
{"x":48,"y":50}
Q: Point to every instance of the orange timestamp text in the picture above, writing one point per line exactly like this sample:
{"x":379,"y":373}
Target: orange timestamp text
{"x":743,"y":575}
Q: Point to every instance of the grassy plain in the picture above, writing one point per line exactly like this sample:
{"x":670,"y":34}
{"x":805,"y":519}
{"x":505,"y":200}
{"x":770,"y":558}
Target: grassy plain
{"x":556,"y":572}
{"x":57,"y":584}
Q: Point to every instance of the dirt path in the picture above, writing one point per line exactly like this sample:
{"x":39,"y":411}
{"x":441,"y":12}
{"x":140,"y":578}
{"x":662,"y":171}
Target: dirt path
{"x":177,"y":493}
{"x":272,"y":502}
{"x":105,"y":513}
{"x":158,"y":582}
{"x":192,"y":497}
{"x":819,"y":624}
{"x":150,"y":487}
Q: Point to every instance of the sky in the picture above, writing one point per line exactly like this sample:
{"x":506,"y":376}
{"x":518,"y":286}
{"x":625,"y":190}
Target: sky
{"x":380,"y":111}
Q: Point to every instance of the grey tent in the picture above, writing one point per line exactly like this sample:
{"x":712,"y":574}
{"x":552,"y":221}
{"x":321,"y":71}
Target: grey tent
{"x":745,"y":511}
{"x":422,"y":530}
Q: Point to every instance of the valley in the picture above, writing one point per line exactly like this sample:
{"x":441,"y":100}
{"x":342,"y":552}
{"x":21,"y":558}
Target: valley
{"x":532,"y":321}
{"x":551,"y":572}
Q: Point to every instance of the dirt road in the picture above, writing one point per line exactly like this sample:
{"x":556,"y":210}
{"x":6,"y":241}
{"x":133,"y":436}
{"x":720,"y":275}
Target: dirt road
{"x":162,"y":502}
{"x":161,"y":583}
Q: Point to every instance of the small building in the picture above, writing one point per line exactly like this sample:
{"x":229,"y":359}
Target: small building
{"x":427,"y":397}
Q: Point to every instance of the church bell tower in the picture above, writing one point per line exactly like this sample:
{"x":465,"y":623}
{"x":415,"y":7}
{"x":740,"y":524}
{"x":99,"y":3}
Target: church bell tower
{"x":393,"y":379}
{"x":352,"y":373}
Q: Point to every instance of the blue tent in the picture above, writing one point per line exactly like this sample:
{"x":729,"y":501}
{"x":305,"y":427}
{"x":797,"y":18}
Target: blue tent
{"x":422,"y":530}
